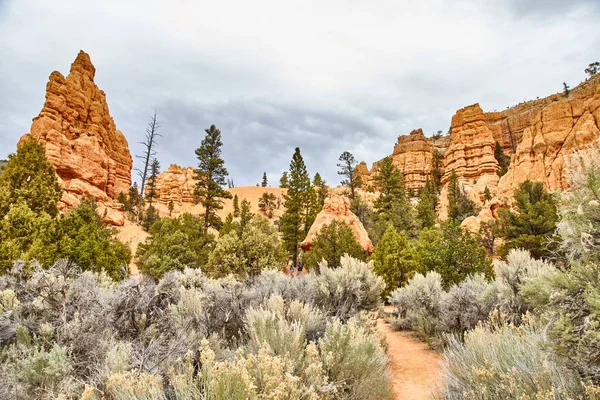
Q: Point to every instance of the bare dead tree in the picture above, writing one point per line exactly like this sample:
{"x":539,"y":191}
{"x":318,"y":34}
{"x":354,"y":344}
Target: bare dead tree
{"x":149,"y":144}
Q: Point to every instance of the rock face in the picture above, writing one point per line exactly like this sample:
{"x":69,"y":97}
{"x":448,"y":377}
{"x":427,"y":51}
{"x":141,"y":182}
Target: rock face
{"x":337,"y":208}
{"x":175,"y":184}
{"x":90,"y":155}
{"x":413,"y":155}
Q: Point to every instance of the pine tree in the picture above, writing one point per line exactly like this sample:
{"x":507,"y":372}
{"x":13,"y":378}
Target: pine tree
{"x":264,"y":180}
{"x":459,"y":204}
{"x":154,"y":171}
{"x":245,"y":213}
{"x":394,"y":259}
{"x":211,"y":173}
{"x":171,"y":207}
{"x":134,"y":197}
{"x":331,"y":243}
{"x":283,"y":181}
{"x":351,"y":180}
{"x":236,"y":206}
{"x":426,"y":206}
{"x":532,"y":226}
{"x":566,"y":89}
{"x":29,"y":177}
{"x":486,"y":194}
{"x":502,"y":158}
{"x":320,"y":186}
{"x":299,"y":205}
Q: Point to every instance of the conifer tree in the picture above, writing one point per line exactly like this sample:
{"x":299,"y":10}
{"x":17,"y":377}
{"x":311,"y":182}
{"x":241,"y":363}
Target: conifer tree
{"x":267,"y":204}
{"x":437,"y":161}
{"x":171,"y":207}
{"x":154,"y":171}
{"x":29,"y":177}
{"x":486,"y":194}
{"x":264,"y":182}
{"x":392,"y":205}
{"x":245,"y":213}
{"x":394,"y":259}
{"x":459,"y":204}
{"x":532,"y":226}
{"x":211,"y":173}
{"x":331,"y":243}
{"x":236,"y":206}
{"x":283,"y":181}
{"x":299,"y":205}
{"x":351,"y":181}
{"x":320,"y":186}
{"x":502,"y":158}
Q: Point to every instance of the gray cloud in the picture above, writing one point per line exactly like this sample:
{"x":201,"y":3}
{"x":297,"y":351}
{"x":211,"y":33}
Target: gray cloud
{"x":326,"y":77}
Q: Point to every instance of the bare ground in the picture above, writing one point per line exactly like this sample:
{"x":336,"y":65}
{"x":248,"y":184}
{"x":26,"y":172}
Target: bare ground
{"x":414,"y":367}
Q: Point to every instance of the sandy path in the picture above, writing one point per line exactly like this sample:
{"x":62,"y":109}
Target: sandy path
{"x":415,"y":368}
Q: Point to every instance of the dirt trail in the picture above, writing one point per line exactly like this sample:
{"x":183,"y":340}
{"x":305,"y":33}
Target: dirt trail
{"x":415,"y":368}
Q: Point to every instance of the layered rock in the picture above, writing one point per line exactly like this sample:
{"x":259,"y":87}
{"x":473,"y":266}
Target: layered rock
{"x":558,"y":130}
{"x":413,"y":155}
{"x":176,"y":184}
{"x":90,"y":155}
{"x":337,"y":208}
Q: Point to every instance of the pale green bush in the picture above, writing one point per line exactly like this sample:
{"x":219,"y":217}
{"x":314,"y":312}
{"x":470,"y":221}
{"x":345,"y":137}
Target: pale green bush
{"x":349,"y":288}
{"x":500,"y":361}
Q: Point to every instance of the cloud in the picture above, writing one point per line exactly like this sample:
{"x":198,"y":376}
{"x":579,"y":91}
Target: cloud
{"x":325,"y":76}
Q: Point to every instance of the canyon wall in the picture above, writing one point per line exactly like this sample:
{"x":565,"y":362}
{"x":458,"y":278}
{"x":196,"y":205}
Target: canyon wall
{"x":538,"y":135}
{"x":90,"y":155}
{"x":176,"y":184}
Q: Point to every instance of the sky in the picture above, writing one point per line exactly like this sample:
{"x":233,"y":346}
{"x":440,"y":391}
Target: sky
{"x":327,"y":76}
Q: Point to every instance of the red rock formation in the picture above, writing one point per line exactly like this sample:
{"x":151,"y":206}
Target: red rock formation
{"x":175,"y":184}
{"x":90,"y":155}
{"x":337,"y":208}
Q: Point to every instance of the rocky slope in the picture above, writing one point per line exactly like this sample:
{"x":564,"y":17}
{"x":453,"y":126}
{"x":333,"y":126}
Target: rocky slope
{"x":90,"y":155}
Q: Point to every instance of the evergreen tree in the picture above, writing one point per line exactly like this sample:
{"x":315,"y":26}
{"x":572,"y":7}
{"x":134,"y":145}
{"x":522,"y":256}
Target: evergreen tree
{"x":248,"y":252}
{"x":264,"y":180}
{"x":488,"y":231}
{"x":459,"y":204}
{"x":532,"y":226}
{"x":592,"y":69}
{"x":426,"y":206}
{"x":394,"y":259}
{"x":299,"y":206}
{"x":283,"y":181}
{"x":29,"y":177}
{"x":502,"y":158}
{"x":331,"y":243}
{"x":351,"y":180}
{"x":245,"y":213}
{"x":236,"y":206}
{"x":171,"y":207}
{"x":320,"y":186}
{"x":392,"y":205}
{"x":174,"y":243}
{"x":85,"y":240}
{"x":154,"y":171}
{"x":452,"y":252}
{"x":133,"y":197}
{"x":566,"y":89}
{"x":211,"y":173}
{"x":150,"y":217}
{"x":228,"y":226}
{"x":486,"y":194}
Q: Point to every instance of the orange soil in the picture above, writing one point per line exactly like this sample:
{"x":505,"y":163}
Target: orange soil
{"x":415,"y":369}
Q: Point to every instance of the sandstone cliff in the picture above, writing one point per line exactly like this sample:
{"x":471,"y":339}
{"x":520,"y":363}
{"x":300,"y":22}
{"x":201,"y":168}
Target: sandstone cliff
{"x":90,"y":155}
{"x":337,"y":208}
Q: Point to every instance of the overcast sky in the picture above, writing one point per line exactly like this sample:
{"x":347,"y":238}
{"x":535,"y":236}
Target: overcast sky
{"x":326,"y":76}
